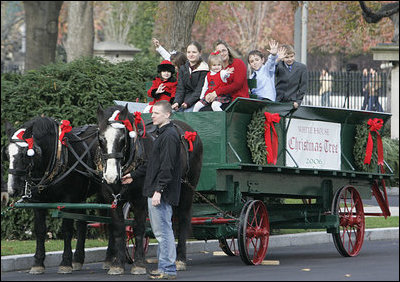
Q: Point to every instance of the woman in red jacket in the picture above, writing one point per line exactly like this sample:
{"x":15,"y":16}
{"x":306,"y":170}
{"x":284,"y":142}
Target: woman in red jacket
{"x":237,"y":82}
{"x":164,"y":85}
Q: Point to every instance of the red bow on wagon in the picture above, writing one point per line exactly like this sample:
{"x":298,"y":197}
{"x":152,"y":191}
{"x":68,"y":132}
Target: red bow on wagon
{"x":374,"y":125}
{"x":272,"y":146}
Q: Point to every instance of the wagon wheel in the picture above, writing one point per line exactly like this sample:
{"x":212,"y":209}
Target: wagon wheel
{"x":347,"y":204}
{"x":229,"y":246}
{"x":130,"y":236}
{"x":253,"y":233}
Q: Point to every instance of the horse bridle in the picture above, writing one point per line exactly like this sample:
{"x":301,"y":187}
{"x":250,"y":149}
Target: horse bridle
{"x":21,"y":172}
{"x":135,"y":151}
{"x":118,"y":155}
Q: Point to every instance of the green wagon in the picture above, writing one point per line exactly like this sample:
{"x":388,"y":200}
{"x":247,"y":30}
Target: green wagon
{"x":239,"y":202}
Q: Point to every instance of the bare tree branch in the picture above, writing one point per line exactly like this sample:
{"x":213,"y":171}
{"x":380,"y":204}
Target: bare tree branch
{"x":390,"y":10}
{"x":386,"y":10}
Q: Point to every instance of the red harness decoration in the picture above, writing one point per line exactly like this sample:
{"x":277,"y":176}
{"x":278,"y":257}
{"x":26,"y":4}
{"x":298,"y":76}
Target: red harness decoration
{"x":27,"y":140}
{"x":65,"y":127}
{"x":374,"y":125}
{"x":190,"y":137}
{"x":138,"y":119}
{"x":126,"y":122}
{"x":272,"y":147}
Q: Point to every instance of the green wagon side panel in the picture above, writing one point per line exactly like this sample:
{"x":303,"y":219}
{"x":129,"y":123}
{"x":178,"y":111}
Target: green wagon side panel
{"x":224,"y":137}
{"x":211,"y":127}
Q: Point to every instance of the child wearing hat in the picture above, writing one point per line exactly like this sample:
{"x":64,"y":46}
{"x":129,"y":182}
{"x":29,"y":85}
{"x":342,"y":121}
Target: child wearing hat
{"x":164,"y":85}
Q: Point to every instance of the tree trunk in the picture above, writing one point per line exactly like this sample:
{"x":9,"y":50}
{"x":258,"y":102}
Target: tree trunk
{"x":80,"y":30}
{"x":175,"y":23}
{"x":395,"y":20}
{"x":41,"y":18}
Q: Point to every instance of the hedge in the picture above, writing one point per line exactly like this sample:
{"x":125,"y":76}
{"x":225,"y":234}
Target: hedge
{"x":70,"y":91}
{"x":73,"y":90}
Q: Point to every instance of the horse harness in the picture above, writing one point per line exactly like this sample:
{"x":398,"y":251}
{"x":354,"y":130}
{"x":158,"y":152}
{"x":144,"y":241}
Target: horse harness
{"x":57,"y":168}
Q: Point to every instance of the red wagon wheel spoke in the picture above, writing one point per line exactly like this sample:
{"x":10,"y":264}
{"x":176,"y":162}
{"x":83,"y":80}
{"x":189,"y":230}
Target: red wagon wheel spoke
{"x":348,"y":206}
{"x":229,"y":246}
{"x":253,"y":233}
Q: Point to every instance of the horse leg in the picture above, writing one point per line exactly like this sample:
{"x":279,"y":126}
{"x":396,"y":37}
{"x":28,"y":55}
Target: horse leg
{"x":40,"y":232}
{"x":139,"y":209}
{"x":79,"y":255}
{"x":184,"y":224}
{"x":110,"y":253}
{"x":118,"y":230}
{"x":67,"y":231}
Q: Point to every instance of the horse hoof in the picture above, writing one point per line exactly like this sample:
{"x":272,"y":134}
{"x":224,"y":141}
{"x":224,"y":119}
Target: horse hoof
{"x":152,"y":260}
{"x":76,"y":266}
{"x":64,"y":269}
{"x":137,"y":270}
{"x":116,"y":270}
{"x":36,"y":270}
{"x":106,"y":265}
{"x":180,"y":265}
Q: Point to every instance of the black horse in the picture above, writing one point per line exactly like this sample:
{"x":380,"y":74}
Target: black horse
{"x":118,"y":153}
{"x":123,"y":152}
{"x":52,"y":173}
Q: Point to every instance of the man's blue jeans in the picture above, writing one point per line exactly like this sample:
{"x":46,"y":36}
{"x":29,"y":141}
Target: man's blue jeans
{"x":325,"y":99}
{"x":161,"y":225}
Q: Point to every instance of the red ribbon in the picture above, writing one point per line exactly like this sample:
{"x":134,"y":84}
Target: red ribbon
{"x":272,"y":149}
{"x":27,"y":140}
{"x":65,"y":127}
{"x":215,"y":53}
{"x":138,"y":119}
{"x":114,"y":204}
{"x":374,"y":125}
{"x":126,"y":122}
{"x":190,"y":137}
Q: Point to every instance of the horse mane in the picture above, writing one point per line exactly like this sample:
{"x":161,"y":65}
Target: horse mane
{"x":41,"y":126}
{"x":108,"y":113}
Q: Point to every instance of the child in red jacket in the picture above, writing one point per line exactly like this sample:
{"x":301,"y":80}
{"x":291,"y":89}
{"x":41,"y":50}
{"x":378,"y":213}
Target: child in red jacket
{"x":216,"y":78}
{"x":164,"y":85}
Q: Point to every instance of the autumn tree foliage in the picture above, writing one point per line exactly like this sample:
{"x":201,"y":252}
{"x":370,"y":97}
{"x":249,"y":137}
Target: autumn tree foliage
{"x":338,"y":26}
{"x":245,"y":25}
{"x":333,"y":26}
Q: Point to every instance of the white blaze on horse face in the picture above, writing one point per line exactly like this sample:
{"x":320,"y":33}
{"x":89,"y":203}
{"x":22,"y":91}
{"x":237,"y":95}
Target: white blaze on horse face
{"x":111,"y":174}
{"x":13,"y":150}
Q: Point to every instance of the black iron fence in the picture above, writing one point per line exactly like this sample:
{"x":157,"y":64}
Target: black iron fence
{"x":350,"y":90}
{"x":11,"y":68}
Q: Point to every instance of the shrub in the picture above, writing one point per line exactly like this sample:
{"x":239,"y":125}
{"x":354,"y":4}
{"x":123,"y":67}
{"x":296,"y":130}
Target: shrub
{"x":70,"y":91}
{"x":73,"y":90}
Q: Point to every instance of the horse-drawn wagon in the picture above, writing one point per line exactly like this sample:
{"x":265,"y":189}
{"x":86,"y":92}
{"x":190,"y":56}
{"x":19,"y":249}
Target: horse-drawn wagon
{"x":256,"y":156}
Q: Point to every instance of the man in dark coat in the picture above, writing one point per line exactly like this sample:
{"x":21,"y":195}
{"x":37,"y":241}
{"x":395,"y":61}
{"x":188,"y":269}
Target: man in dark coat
{"x":162,"y":186}
{"x":291,"y":79}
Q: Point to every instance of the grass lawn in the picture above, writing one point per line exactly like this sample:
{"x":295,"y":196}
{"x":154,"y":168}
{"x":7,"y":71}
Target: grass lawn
{"x":11,"y":247}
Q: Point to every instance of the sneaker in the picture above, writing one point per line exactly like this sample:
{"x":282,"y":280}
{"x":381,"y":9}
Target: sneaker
{"x":162,"y":276}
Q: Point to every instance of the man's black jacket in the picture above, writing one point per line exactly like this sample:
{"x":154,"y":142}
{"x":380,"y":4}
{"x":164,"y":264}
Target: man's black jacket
{"x":163,"y":168}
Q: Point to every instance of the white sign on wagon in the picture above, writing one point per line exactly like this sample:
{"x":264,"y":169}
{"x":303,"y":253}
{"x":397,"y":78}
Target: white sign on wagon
{"x":314,"y":144}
